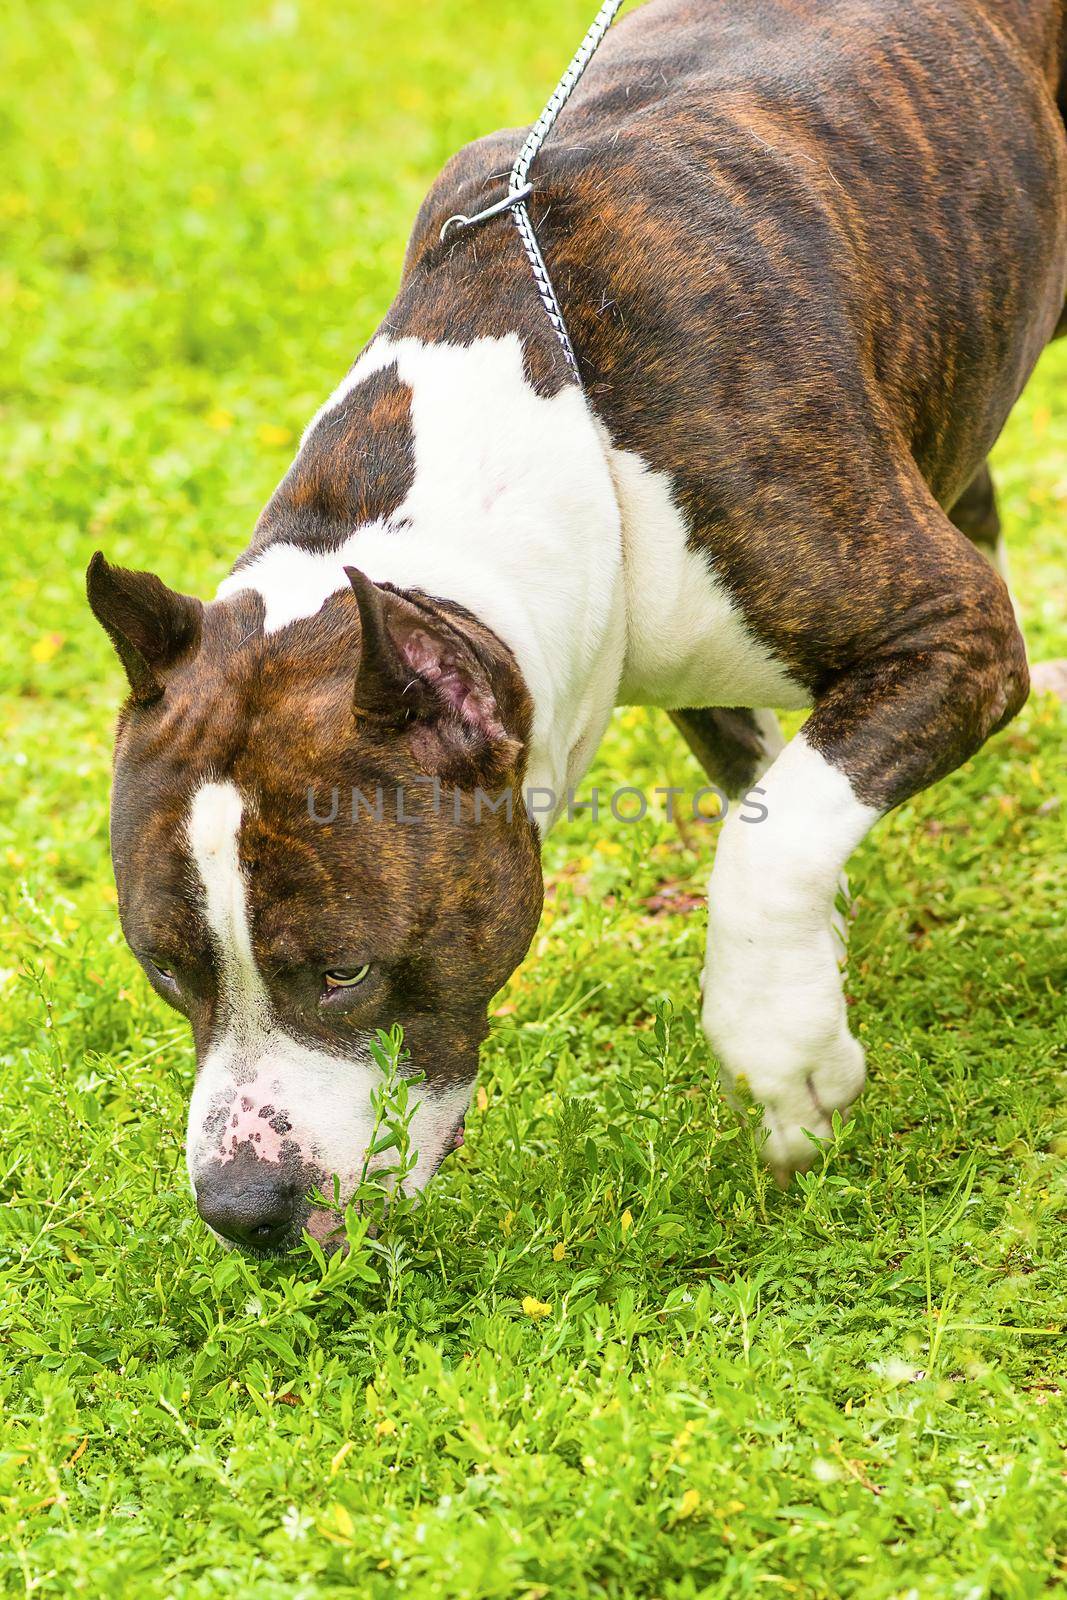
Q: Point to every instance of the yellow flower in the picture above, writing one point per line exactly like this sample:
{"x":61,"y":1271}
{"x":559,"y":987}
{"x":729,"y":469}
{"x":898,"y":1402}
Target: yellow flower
{"x":559,"y":1251}
{"x":270,"y":433}
{"x":387,"y":1425}
{"x":535,"y":1308}
{"x":690,"y":1502}
{"x":48,"y":645}
{"x":220,"y":419}
{"x":710,"y":807}
{"x":626,"y":1221}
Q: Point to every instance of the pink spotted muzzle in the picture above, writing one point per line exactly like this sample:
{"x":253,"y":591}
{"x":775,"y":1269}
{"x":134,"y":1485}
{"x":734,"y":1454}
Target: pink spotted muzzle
{"x":253,"y":1178}
{"x":253,"y":1188}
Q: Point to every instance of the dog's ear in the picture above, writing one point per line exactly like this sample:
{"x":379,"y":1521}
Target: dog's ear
{"x":150,"y":625}
{"x":419,"y":672}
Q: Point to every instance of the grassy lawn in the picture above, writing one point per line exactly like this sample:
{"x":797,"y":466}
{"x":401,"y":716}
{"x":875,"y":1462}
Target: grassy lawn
{"x":605,"y":1357}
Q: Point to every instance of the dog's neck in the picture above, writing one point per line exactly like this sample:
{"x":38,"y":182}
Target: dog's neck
{"x":439,"y":467}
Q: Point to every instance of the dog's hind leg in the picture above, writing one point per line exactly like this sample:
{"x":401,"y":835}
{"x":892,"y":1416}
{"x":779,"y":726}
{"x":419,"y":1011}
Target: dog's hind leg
{"x":734,"y":745}
{"x":976,"y":514}
{"x":940,"y":671}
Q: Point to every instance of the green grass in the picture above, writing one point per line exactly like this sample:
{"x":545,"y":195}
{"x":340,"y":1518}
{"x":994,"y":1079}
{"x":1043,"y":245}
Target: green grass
{"x":850,"y":1389}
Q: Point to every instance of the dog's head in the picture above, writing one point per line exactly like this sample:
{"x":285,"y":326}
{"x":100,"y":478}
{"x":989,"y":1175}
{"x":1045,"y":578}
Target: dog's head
{"x":317,"y":833}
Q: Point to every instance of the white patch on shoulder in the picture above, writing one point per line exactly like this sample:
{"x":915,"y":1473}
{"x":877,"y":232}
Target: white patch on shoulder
{"x":686,"y":642}
{"x":256,"y":1077}
{"x":573,"y":552}
{"x":774,"y":1007}
{"x":511,"y":512}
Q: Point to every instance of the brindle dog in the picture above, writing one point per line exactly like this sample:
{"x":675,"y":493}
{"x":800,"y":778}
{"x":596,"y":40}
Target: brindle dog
{"x":808,"y":256}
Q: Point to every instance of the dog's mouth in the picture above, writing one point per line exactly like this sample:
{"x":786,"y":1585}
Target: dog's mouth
{"x":324,"y":1225}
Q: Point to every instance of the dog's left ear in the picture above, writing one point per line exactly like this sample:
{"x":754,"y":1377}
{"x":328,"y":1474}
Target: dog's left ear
{"x":150,"y":625}
{"x":417,"y":672}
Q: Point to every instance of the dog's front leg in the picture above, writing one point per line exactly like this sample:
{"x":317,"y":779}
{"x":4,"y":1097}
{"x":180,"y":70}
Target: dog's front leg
{"x":774,"y":1006}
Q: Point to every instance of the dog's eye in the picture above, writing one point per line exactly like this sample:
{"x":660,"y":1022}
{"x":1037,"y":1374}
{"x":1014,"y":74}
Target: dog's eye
{"x":165,"y":973}
{"x":345,"y":977}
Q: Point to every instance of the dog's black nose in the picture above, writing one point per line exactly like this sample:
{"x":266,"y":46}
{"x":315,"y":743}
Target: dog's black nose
{"x":255,"y":1215}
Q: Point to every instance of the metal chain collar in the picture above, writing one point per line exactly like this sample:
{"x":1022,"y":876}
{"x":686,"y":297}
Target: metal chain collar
{"x":520,"y":188}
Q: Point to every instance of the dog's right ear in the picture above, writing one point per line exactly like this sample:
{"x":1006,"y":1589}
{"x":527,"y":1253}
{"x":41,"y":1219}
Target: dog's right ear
{"x":150,"y":625}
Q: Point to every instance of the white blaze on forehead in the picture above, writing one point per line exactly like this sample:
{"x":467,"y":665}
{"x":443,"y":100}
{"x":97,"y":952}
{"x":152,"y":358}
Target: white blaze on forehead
{"x":213,"y":831}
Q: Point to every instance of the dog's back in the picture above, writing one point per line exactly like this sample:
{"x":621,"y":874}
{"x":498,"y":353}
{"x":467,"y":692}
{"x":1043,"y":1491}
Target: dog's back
{"x":909,"y":157}
{"x":808,"y":256}
{"x":865,"y":202}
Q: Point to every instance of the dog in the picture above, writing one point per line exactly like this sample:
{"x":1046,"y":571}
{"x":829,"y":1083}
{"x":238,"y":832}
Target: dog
{"x":808,"y":256}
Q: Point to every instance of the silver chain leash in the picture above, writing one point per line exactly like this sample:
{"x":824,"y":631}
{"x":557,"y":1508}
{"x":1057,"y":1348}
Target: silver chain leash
{"x":520,"y":188}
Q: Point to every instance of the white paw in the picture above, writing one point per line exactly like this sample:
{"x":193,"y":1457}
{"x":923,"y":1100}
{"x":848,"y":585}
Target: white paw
{"x":804,"y":1106}
{"x":785,"y":1040}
